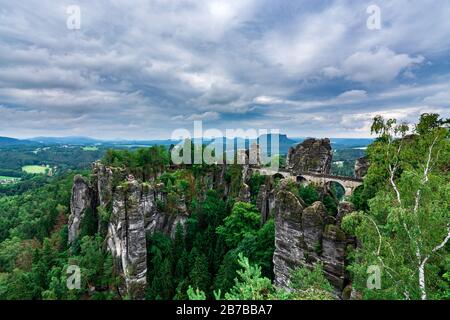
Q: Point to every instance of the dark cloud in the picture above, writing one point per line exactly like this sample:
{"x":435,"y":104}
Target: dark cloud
{"x":140,"y":69}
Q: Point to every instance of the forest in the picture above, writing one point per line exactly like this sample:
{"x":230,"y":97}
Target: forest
{"x":224,"y":251}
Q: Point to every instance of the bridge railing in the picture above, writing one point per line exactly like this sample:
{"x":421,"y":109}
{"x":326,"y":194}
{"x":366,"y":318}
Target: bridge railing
{"x":318,"y":175}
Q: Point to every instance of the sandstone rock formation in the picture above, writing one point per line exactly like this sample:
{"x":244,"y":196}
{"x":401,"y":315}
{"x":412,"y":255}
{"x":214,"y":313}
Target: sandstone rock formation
{"x":244,"y":193}
{"x":334,"y":244}
{"x":265,"y":201}
{"x":312,"y":226}
{"x":344,"y":208}
{"x":361,"y":167}
{"x":289,"y":242}
{"x":304,"y":237}
{"x":312,"y":155}
{"x":81,"y":202}
{"x":126,"y":238}
{"x":103,"y":179}
{"x":158,"y":220}
{"x":134,"y":212}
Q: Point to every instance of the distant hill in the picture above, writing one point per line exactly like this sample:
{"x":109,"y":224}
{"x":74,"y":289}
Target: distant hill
{"x":139,"y":142}
{"x":66,"y":140}
{"x":7,"y":142}
{"x":285,"y":142}
{"x":346,"y":143}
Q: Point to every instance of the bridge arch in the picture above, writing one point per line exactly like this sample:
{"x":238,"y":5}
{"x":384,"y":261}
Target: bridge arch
{"x":337,"y":188}
{"x":301,"y":180}
{"x":278,"y":176}
{"x":348,"y":183}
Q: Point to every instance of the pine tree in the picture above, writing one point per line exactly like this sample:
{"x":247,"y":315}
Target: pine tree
{"x":199,"y":276}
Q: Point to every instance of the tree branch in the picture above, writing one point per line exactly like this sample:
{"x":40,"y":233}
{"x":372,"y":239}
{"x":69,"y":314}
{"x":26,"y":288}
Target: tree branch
{"x":425,"y":176}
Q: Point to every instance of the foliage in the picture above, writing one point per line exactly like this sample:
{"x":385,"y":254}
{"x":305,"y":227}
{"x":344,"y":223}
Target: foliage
{"x":406,"y":227}
{"x":256,"y":180}
{"x":250,"y":285}
{"x":308,"y":194}
{"x":145,"y":163}
{"x":223,"y":251}
{"x":244,"y":219}
{"x":196,"y":294}
{"x":311,"y":284}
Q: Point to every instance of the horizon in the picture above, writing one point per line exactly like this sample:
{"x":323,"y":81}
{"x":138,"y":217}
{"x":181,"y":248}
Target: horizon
{"x":169,"y":139}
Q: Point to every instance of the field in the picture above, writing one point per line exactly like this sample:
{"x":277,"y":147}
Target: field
{"x":89,"y":149}
{"x":36,"y":169}
{"x":8,"y":180}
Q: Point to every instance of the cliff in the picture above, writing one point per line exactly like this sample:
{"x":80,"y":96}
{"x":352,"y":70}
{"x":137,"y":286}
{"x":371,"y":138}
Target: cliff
{"x":126,"y":237}
{"x":81,"y":203}
{"x":305,"y":236}
{"x":361,"y":167}
{"x":133,"y":212}
{"x":312,"y":155}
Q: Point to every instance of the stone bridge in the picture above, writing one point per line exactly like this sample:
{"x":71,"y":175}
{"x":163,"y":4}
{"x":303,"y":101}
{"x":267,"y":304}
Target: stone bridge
{"x":348,"y":183}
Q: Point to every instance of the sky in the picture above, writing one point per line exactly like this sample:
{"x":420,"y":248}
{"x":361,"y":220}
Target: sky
{"x":142,"y":69}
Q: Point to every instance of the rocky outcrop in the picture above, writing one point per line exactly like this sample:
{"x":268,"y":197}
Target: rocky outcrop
{"x":333,"y":255}
{"x":81,"y":203}
{"x":265,"y":201}
{"x":247,"y":173}
{"x":103,"y":180}
{"x":244,"y":193}
{"x":344,"y":208}
{"x":304,"y":237}
{"x":126,"y":238}
{"x":312,"y":226}
{"x":312,"y":155}
{"x":361,"y":167}
{"x":289,"y":241}
{"x":136,"y":208}
{"x":156,"y":220}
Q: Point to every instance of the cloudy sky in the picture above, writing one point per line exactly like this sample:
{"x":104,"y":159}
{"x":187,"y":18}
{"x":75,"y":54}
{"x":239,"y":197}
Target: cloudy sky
{"x":140,"y":69}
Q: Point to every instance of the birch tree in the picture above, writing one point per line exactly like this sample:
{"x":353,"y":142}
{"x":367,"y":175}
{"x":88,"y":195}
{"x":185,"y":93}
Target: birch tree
{"x":406,"y":230}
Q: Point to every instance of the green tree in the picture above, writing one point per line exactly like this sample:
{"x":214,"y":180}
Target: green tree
{"x":311,"y":284}
{"x":244,"y":219}
{"x":407,"y":227}
{"x":308,"y":194}
{"x":196,"y":294}
{"x":199,"y":276}
{"x":259,"y":247}
{"x":250,"y":285}
{"x":160,"y":275}
{"x":224,"y":279}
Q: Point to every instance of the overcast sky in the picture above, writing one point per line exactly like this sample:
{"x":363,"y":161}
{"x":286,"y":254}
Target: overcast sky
{"x":140,"y":69}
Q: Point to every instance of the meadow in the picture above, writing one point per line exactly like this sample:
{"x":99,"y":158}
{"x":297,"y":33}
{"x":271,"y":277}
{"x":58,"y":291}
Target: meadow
{"x":89,"y":149}
{"x":36,"y":169}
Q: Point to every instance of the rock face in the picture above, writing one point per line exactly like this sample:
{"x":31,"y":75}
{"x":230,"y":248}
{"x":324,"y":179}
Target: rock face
{"x":126,"y":238}
{"x":333,"y":255}
{"x":312,"y":226}
{"x":244,"y":193}
{"x":158,"y":220}
{"x":134,"y":211}
{"x":312,"y":155}
{"x":344,"y":208}
{"x":103,"y":180}
{"x":265,"y":201}
{"x":81,"y":202}
{"x":289,"y":242}
{"x":361,"y":167}
{"x":304,"y":237}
